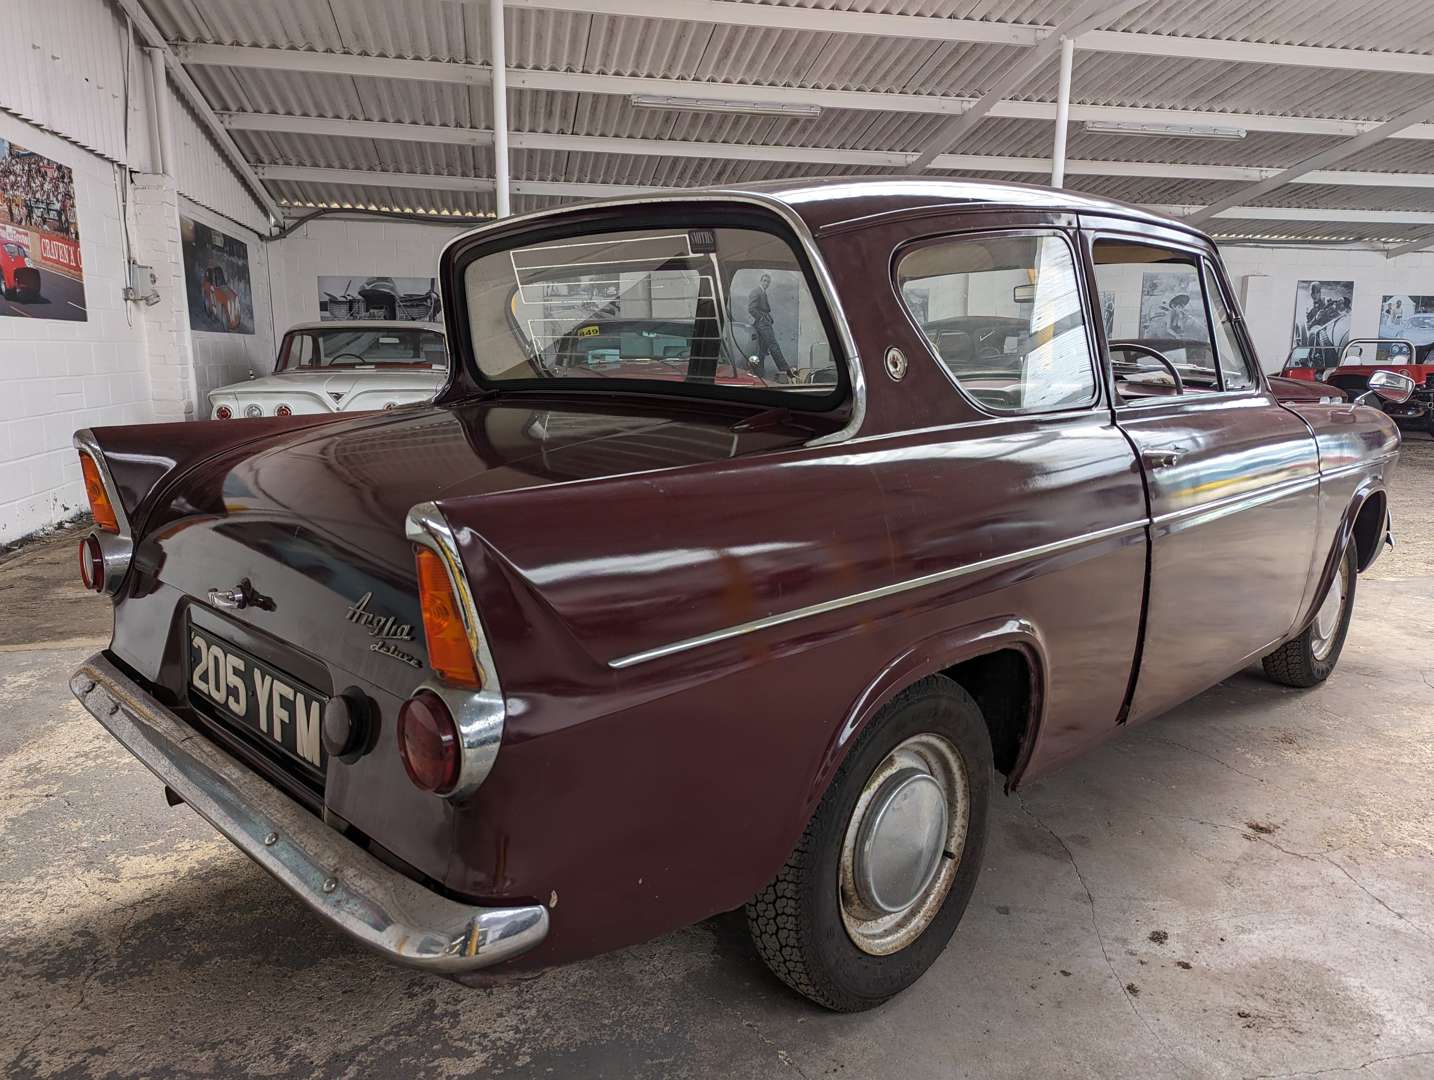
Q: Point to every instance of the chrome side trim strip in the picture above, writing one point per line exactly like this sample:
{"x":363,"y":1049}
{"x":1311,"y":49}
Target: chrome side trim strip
{"x":894,"y":589}
{"x":790,"y":218}
{"x":1358,"y":466}
{"x":334,"y":877}
{"x":481,"y":714}
{"x":1234,"y":504}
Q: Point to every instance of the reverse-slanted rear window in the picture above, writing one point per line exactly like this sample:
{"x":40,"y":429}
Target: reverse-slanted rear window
{"x":725,"y":310}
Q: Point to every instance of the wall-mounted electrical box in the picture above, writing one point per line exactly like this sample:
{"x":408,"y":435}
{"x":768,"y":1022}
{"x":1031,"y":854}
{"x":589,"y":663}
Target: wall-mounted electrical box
{"x":143,"y":284}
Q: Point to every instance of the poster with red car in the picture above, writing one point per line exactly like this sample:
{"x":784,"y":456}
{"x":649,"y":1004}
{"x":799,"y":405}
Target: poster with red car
{"x":41,"y":275}
{"x":216,"y":277}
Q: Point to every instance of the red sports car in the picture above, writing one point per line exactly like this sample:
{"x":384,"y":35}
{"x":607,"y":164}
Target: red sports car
{"x":18,"y":279}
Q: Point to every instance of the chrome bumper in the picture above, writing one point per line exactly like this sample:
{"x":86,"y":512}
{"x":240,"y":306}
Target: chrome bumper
{"x":343,"y":883}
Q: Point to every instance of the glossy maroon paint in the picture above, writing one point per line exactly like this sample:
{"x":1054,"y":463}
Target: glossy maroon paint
{"x":594,"y":526}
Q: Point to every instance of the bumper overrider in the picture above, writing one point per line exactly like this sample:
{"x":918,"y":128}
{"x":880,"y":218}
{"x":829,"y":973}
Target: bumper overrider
{"x":366,"y":899}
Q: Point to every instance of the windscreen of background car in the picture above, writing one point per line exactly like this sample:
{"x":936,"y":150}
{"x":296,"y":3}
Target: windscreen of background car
{"x":726,"y":308}
{"x":1004,"y":315}
{"x":354,"y":346}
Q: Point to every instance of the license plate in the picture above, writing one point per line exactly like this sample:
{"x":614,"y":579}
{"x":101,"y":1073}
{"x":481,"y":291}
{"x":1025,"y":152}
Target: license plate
{"x":256,"y":697}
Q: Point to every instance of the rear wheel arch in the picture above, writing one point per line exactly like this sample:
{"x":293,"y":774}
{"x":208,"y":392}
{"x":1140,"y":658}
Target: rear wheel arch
{"x":1001,"y":663}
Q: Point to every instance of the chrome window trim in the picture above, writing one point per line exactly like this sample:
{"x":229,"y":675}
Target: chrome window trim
{"x":789,"y":217}
{"x":116,"y":549}
{"x":480,"y":714}
{"x":894,"y":589}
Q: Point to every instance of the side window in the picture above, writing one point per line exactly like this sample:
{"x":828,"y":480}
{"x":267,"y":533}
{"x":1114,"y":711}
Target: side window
{"x":301,"y":352}
{"x":1004,"y":316}
{"x":1151,"y":298}
{"x":1235,"y":367}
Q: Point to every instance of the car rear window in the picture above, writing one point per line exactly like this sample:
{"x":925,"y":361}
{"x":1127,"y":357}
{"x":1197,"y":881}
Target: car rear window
{"x":725,"y":310}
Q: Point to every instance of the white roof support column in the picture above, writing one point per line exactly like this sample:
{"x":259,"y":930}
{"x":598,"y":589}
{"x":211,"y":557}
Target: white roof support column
{"x":1085,"y":17}
{"x":498,"y":49}
{"x":1338,"y":152}
{"x":1063,"y":113}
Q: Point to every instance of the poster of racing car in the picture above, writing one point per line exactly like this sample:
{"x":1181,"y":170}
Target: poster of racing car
{"x":216,"y":278}
{"x":1410,"y":318}
{"x":378,"y":297}
{"x":41,"y":276}
{"x":1322,"y":317}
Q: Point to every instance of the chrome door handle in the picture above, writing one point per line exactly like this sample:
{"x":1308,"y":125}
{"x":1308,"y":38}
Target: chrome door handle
{"x":1162,"y":459}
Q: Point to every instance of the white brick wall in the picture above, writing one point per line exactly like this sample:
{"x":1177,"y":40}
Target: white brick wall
{"x":127,"y":363}
{"x":350,"y":249}
{"x":1274,"y":273}
{"x":58,"y":376}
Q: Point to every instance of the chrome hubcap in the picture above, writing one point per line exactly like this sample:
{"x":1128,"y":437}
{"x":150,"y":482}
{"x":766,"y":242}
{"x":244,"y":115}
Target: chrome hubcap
{"x":1327,"y":619}
{"x":903,"y":844}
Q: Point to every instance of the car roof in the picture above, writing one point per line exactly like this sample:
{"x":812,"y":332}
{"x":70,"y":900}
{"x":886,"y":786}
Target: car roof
{"x":367,"y":324}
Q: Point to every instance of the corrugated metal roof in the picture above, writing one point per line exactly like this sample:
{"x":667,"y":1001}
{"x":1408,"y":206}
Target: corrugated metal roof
{"x":746,"y":53}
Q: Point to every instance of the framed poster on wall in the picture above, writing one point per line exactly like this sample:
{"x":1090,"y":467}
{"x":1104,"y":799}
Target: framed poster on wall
{"x":1171,"y":306}
{"x":1323,"y":312}
{"x":216,"y":279}
{"x":379,"y":297}
{"x":41,"y":275}
{"x":1404,"y":316}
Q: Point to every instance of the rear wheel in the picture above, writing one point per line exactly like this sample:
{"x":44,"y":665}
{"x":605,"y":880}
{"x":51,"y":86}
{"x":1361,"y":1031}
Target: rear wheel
{"x":1309,"y":659}
{"x":878,"y":881}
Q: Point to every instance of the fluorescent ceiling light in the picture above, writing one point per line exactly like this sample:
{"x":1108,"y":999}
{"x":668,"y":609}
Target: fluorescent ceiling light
{"x":1163,"y":131}
{"x":756,"y":108}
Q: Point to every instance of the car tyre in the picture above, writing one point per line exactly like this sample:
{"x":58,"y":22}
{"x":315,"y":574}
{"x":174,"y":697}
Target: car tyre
{"x":813,"y":924}
{"x":1308,"y":659}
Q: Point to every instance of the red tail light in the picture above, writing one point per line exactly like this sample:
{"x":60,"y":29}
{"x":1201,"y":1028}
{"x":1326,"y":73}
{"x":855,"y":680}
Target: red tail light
{"x":283,"y":410}
{"x":92,"y":564}
{"x":428,"y":743}
{"x":224,"y":412}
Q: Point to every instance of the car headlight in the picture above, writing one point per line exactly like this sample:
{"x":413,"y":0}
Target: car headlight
{"x":253,"y":410}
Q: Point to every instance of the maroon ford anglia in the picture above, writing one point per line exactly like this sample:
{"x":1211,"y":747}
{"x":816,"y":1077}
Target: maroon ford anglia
{"x":757,"y":537}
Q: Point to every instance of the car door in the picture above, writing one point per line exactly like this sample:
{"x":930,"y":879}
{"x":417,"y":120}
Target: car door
{"x":1232,"y":477}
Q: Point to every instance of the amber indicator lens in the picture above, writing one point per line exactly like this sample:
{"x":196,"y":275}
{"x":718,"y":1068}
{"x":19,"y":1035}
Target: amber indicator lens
{"x":92,"y":564}
{"x":449,"y":653}
{"x":100,"y":505}
{"x":428,"y":742}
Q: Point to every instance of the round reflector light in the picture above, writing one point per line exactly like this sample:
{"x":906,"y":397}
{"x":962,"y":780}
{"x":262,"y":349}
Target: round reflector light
{"x":428,"y":743}
{"x":224,"y":412}
{"x":253,"y":410}
{"x":391,"y":405}
{"x":283,"y":410}
{"x":92,"y":564}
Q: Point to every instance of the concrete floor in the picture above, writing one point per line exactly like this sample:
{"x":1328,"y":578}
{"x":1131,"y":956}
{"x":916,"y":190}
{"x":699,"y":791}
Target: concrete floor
{"x":1239,"y":889}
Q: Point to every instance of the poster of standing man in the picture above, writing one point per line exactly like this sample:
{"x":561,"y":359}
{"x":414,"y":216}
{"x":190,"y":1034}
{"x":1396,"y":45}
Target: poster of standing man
{"x":763,"y":317}
{"x":41,"y":276}
{"x":1322,"y":317}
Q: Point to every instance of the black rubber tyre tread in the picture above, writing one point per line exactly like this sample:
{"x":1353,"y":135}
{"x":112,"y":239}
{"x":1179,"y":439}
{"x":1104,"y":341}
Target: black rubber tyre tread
{"x":798,"y":939}
{"x":1294,"y":663}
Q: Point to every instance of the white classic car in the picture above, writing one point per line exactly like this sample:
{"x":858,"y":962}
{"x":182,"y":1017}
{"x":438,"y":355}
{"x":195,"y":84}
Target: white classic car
{"x":342,"y":366}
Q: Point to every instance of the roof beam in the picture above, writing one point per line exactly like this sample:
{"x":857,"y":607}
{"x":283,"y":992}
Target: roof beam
{"x":1339,"y":152}
{"x":671,"y":148}
{"x":381,"y":67}
{"x":202,"y":109}
{"x":1419,"y":243}
{"x":305,"y":174}
{"x":433,"y":182}
{"x":936,"y":28}
{"x":1015,"y":74}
